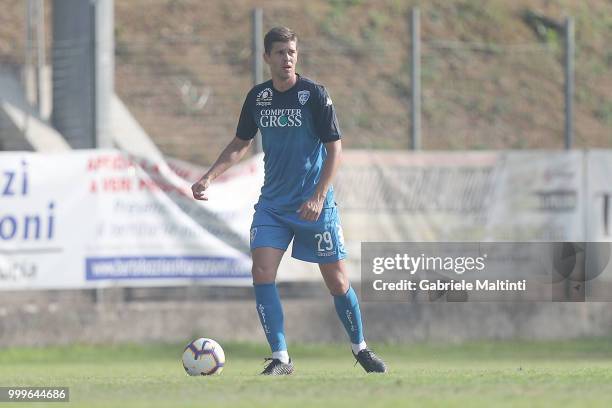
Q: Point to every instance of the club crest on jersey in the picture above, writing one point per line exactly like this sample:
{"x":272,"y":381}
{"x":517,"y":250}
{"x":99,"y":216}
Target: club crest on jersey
{"x":303,"y":97}
{"x":264,"y":98}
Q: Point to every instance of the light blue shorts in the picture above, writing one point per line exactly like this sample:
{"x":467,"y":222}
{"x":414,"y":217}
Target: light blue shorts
{"x":318,"y":241}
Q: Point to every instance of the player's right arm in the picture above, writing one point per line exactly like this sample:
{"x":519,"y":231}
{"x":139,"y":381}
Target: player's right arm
{"x":231,"y":155}
{"x":233,"y":152}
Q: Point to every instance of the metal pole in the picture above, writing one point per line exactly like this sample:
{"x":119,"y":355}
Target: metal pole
{"x":40,"y":53}
{"x":28,"y":66}
{"x":569,"y":82}
{"x":416,"y":80}
{"x":28,"y":50}
{"x":104,"y":71}
{"x":258,"y":50}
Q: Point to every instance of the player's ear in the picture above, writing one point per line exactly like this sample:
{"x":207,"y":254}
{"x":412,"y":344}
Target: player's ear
{"x":266,"y":57}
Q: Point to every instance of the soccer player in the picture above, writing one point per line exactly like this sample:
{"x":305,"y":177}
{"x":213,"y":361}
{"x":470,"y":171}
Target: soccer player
{"x":302,"y":149}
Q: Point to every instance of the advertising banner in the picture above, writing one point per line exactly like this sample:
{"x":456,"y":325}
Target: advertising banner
{"x":460,"y":196}
{"x":102,"y":217}
{"x":97,"y":218}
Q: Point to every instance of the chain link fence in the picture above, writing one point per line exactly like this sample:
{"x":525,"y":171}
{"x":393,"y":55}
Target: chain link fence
{"x":188,"y":91}
{"x":492,"y":96}
{"x":186,"y":85}
{"x":473,"y":95}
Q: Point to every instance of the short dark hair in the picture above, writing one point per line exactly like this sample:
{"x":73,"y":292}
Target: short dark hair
{"x":278,"y":34}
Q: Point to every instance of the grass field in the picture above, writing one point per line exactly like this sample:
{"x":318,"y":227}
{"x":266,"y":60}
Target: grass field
{"x":549,"y":374}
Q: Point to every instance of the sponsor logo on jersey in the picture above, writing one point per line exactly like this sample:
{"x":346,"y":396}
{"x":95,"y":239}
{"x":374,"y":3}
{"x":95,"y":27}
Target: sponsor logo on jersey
{"x":303,"y":97}
{"x":274,"y":118}
{"x":264,"y":98}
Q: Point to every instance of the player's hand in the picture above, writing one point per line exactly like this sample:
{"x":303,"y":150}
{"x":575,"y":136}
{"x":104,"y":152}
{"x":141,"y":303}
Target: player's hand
{"x":199,"y":188}
{"x":311,"y":209}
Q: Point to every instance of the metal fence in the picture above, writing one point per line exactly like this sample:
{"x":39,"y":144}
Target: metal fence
{"x":492,"y":96}
{"x":186,"y":89}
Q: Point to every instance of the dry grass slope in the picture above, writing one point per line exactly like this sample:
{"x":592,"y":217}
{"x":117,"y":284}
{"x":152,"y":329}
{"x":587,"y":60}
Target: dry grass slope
{"x":183,"y":68}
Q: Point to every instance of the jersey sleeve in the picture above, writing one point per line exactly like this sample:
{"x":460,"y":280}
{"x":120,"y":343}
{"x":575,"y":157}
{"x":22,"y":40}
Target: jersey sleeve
{"x":247,"y":128}
{"x":326,"y":122}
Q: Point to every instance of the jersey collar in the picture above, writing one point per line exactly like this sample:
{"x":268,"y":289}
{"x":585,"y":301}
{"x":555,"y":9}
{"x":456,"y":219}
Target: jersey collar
{"x":299,"y":77}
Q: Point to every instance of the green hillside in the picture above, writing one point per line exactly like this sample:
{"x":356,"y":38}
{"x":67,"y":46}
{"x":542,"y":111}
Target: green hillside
{"x":492,"y":70}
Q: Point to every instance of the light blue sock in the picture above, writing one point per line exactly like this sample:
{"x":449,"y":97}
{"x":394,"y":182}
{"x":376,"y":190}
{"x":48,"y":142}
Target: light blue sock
{"x":347,"y":307}
{"x":270,"y":313}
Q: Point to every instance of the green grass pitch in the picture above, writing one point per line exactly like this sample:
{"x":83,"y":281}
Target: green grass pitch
{"x":481,"y":374}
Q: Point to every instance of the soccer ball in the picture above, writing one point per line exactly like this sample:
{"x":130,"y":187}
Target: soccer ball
{"x":203,"y":357}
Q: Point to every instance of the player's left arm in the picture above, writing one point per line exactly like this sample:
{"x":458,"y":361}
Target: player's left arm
{"x":311,"y":208}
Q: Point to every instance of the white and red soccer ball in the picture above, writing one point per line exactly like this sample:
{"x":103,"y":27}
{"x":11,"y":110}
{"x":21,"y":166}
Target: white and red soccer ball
{"x":203,"y":357}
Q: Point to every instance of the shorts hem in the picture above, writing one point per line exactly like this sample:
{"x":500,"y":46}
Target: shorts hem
{"x":317,"y":260}
{"x":269,"y":246}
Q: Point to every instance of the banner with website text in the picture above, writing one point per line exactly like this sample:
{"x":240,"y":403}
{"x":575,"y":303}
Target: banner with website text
{"x":102,"y":217}
{"x":98,"y":218}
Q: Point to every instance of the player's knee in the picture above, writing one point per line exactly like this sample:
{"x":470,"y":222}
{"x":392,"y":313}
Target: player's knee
{"x":261,"y":274}
{"x":339,"y":285}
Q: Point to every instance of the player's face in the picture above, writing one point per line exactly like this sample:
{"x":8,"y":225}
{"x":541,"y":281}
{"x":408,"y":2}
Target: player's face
{"x":282,"y":59}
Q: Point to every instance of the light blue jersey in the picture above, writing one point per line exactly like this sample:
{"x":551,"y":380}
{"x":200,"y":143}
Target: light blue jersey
{"x":294,"y":126}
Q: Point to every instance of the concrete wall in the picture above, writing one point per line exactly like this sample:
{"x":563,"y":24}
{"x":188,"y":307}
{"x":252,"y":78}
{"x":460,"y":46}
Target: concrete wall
{"x":176,"y":315}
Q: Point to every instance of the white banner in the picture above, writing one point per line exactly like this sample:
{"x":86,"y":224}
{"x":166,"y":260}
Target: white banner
{"x":599,"y":193}
{"x":97,"y":218}
{"x":460,"y":196}
{"x":463,"y":196}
